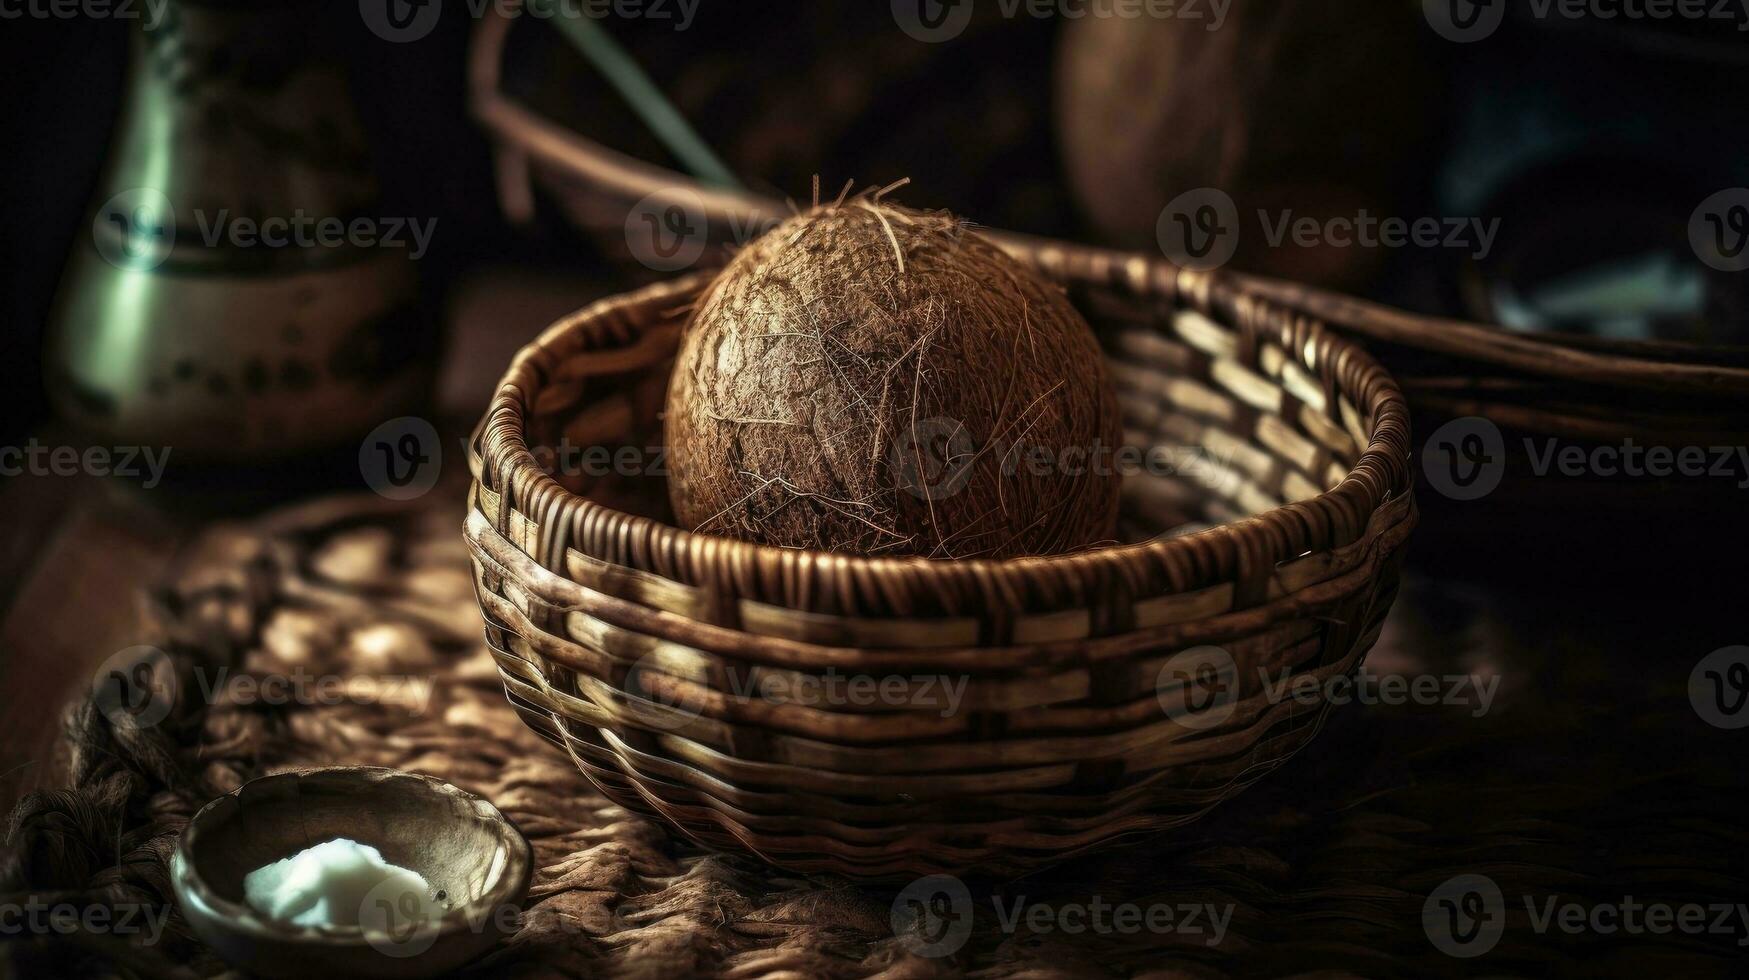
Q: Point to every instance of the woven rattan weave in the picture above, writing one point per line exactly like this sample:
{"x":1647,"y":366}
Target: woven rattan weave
{"x":691,"y":677}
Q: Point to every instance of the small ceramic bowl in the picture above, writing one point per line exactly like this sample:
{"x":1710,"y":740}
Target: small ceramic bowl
{"x":468,"y":851}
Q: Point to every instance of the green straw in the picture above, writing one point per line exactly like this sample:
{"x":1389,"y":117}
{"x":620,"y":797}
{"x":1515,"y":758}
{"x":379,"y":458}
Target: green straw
{"x":654,"y":108}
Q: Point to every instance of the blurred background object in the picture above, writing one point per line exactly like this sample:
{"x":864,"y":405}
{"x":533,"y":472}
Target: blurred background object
{"x":1322,"y":109}
{"x":787,"y":93}
{"x":1592,"y":144}
{"x":1594,"y":141}
{"x":239,"y":294}
{"x":74,"y":87}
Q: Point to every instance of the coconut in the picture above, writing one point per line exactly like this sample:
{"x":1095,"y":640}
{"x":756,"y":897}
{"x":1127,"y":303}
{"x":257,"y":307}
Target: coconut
{"x":872,"y":379}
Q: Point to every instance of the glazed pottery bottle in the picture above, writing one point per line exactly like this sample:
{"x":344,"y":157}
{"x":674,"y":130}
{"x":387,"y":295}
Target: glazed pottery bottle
{"x":238,"y":295}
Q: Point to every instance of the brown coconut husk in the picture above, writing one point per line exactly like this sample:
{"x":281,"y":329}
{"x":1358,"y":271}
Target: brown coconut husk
{"x":872,"y":379}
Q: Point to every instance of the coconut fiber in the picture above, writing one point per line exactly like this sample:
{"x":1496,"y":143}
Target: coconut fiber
{"x":873,"y":379}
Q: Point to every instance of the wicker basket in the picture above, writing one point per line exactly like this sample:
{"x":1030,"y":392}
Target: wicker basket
{"x":1088,"y":712}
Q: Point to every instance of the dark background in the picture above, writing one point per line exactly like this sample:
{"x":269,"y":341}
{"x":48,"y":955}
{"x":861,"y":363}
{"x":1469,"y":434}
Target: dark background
{"x":1585,"y":138}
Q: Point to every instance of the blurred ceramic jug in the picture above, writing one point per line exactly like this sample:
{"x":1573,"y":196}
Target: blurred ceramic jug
{"x":238,"y":296}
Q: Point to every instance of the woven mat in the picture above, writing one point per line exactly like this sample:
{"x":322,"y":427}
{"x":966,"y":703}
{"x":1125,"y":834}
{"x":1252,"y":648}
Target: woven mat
{"x":1327,"y":865}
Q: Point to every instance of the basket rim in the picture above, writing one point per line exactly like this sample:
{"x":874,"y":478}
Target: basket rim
{"x":1379,"y":475}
